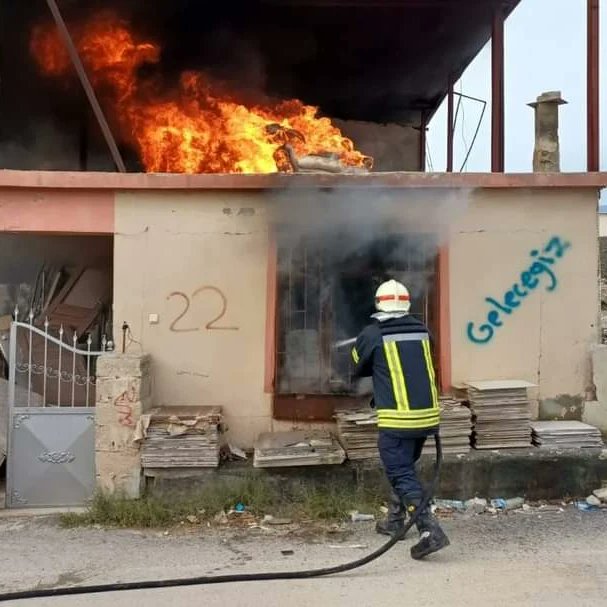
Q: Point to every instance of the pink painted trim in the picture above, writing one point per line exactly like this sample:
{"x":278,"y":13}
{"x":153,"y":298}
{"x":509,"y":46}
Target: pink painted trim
{"x":57,"y":211}
{"x":271,"y":287}
{"x":152,"y":181}
{"x":444,"y":319}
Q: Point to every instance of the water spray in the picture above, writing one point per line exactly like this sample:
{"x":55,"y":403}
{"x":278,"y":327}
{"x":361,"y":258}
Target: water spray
{"x":343,"y":343}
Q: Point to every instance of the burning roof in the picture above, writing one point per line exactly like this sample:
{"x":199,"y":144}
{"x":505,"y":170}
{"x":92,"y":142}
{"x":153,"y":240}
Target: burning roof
{"x":198,"y":125}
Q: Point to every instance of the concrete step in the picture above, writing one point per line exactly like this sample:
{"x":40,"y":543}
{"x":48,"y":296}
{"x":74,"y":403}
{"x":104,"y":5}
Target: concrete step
{"x":532,"y":473}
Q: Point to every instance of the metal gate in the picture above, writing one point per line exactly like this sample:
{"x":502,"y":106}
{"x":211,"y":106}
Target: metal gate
{"x":51,"y":434}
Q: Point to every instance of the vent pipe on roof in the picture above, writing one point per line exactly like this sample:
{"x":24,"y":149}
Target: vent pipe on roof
{"x":546,"y":154}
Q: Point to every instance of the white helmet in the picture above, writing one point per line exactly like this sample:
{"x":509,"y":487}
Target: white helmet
{"x":392,"y":296}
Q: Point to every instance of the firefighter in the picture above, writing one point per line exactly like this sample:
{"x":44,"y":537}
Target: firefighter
{"x":395,"y":351}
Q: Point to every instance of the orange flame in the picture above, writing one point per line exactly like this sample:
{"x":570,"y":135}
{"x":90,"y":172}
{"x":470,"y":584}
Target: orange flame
{"x":194,"y":127}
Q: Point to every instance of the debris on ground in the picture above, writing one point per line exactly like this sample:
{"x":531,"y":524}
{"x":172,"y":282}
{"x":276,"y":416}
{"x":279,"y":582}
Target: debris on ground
{"x":357,"y":517}
{"x":232,"y":453}
{"x":508,"y":504}
{"x":450,"y":505}
{"x":584,"y":506}
{"x":241,"y":519}
{"x":476,"y":505}
{"x":601,"y":494}
{"x":221,"y":518}
{"x":287,"y":552}
{"x":271,"y":520}
{"x":447,"y":508}
{"x":551,"y":508}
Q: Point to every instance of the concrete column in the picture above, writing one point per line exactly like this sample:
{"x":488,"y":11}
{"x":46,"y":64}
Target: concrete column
{"x":123,"y":394}
{"x":546,"y":155}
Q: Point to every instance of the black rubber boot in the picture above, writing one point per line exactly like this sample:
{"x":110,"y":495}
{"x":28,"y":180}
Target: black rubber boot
{"x":394,"y":524}
{"x":431,"y":536}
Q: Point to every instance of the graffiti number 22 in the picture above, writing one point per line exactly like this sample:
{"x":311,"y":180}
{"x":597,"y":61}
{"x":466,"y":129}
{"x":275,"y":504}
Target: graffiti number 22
{"x":212,"y":324}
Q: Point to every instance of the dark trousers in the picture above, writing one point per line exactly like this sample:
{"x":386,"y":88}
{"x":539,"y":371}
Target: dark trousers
{"x":399,"y":452}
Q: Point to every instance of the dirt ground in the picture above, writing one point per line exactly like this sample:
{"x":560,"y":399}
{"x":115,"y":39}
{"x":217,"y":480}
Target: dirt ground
{"x":522,"y":558}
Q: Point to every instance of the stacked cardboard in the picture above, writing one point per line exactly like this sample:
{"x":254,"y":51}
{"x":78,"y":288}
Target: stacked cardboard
{"x":501,"y":413}
{"x":357,"y":430}
{"x":357,"y":433}
{"x":455,"y":427}
{"x":565,"y":435}
{"x":297,"y":448}
{"x":181,"y":437}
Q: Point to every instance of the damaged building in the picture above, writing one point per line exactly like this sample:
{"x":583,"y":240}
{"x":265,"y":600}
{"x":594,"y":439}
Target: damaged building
{"x":198,"y":204}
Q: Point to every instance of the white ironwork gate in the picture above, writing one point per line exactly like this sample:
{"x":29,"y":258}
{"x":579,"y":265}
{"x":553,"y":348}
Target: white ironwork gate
{"x":51,"y":437}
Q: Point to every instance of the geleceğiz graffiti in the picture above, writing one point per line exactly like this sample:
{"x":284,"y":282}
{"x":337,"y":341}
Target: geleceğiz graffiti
{"x":541,"y":271}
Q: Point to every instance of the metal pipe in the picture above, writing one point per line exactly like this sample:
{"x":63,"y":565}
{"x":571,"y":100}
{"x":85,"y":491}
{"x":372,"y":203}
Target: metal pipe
{"x":30,"y":357}
{"x":423,"y":128}
{"x":478,"y":126}
{"x":46,"y":325}
{"x":593,"y":86}
{"x":12,"y":366}
{"x":497,"y":93}
{"x":86,"y":85}
{"x":125,"y":329}
{"x":450,"y":126}
{"x":83,"y":141}
{"x":89,"y":341}
{"x":59,"y":367}
{"x":74,"y":346}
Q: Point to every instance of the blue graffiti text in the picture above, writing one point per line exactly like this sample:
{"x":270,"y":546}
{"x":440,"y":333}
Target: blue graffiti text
{"x":541,"y":271}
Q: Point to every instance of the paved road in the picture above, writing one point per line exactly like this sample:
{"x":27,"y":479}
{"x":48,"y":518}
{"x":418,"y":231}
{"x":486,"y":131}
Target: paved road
{"x":552,"y":559}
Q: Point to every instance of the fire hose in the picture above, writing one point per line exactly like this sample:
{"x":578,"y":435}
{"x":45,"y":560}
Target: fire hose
{"x":239,"y":577}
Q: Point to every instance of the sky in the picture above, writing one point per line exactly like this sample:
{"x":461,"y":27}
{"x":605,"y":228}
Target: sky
{"x":545,"y":50}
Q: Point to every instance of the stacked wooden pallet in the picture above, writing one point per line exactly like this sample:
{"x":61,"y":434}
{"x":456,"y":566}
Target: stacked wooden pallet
{"x":455,"y":427}
{"x":501,"y":413}
{"x":566,"y":435}
{"x":297,"y":448}
{"x":182,"y":437}
{"x":357,"y":432}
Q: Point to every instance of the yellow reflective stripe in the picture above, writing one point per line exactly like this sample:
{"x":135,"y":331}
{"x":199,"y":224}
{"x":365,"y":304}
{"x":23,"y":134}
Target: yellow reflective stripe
{"x":395,"y":386}
{"x":425,"y":418}
{"x":428,"y":412}
{"x":390,"y":418}
{"x":408,"y":424}
{"x":431,"y":374}
{"x":400,"y":375}
{"x":396,"y":375}
{"x":355,"y":356}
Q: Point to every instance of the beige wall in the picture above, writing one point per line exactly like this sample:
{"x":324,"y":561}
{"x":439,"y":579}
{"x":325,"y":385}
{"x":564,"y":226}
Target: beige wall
{"x":602,"y":225}
{"x":546,"y":339}
{"x":178,"y":242}
{"x":175,"y":242}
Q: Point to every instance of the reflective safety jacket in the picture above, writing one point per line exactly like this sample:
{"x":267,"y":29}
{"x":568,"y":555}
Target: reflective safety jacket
{"x":396,"y":354}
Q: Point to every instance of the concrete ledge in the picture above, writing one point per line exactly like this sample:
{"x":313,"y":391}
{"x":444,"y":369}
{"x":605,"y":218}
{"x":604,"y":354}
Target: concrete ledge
{"x":533,"y":473}
{"x":85,"y":180}
{"x":11,"y":513}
